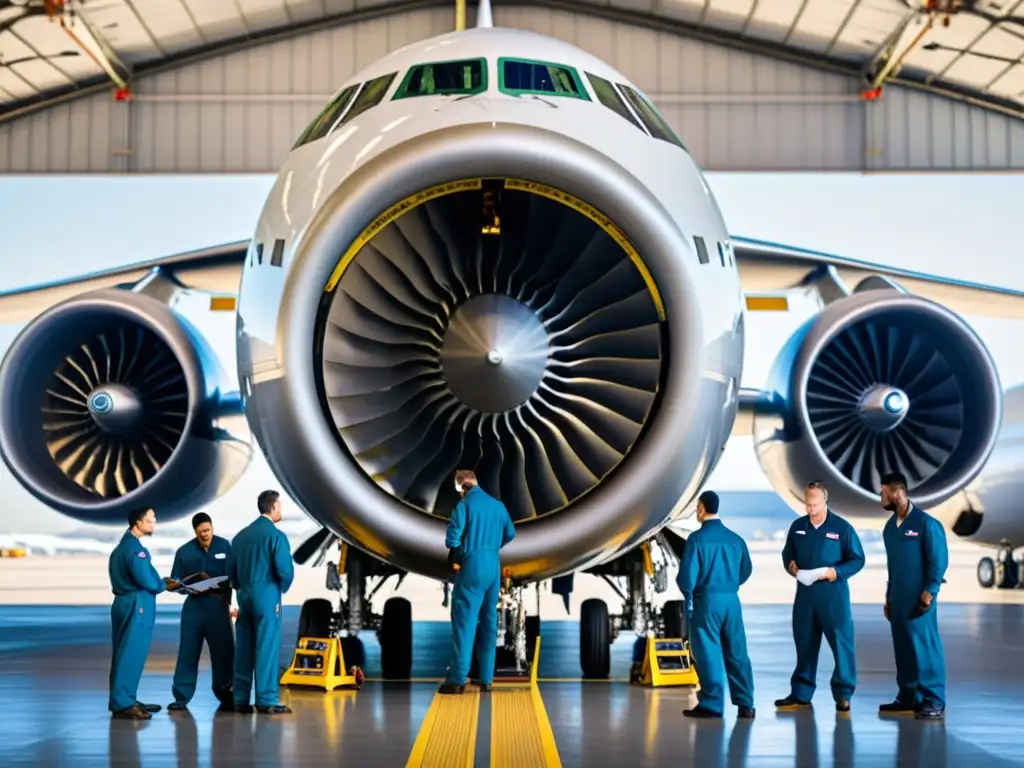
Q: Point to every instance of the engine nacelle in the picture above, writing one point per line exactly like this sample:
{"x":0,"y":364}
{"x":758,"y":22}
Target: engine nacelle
{"x":879,"y":381}
{"x":110,"y":401}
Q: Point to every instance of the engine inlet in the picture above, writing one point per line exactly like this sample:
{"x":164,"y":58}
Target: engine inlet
{"x":528,"y":347}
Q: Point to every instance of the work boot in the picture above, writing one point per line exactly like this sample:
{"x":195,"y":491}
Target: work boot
{"x":132,"y":713}
{"x":148,"y":707}
{"x":177,"y":706}
{"x":451,"y":688}
{"x":928,"y":711}
{"x":226,"y":706}
{"x":700,"y":712}
{"x":274,"y":709}
{"x":746,"y":713}
{"x":243,"y":709}
{"x":842,"y":705}
{"x":485,"y":687}
{"x":791,"y":702}
{"x":897,"y":708}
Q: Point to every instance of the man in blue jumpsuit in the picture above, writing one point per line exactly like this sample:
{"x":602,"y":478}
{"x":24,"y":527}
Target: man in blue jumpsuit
{"x":822,"y":539}
{"x":206,"y":616}
{"x":135,"y":584}
{"x":479,"y":527}
{"x":715,"y":564}
{"x":917,"y":556}
{"x":261,"y":572}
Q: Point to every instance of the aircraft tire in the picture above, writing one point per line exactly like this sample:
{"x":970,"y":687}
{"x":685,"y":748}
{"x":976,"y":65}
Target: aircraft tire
{"x":395,"y":637}
{"x":595,"y":643}
{"x":986,"y":572}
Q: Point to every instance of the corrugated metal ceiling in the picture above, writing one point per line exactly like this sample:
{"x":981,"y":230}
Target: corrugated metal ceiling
{"x":54,"y":49}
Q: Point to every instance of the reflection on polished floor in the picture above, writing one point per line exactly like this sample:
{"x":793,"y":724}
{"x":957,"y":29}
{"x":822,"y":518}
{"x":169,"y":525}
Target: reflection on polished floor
{"x":55,"y":664}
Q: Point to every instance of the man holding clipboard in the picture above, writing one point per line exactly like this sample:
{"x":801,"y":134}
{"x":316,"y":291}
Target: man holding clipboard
{"x":822,"y":552}
{"x":206,"y":615}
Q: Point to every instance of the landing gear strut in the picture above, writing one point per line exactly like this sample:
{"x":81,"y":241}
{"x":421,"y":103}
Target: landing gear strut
{"x":354,"y":613}
{"x":644,"y":574}
{"x":1001,"y":572}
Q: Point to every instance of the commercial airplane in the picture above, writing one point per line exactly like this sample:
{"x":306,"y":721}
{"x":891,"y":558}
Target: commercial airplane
{"x":489,"y":250}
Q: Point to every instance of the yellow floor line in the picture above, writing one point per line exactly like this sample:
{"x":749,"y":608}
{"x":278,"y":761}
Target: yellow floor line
{"x":447,"y":738}
{"x":521,"y":735}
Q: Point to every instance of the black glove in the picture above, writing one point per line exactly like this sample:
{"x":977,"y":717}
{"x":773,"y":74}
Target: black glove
{"x":453,"y":558}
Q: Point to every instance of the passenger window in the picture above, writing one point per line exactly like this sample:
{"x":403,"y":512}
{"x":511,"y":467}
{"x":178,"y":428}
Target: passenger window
{"x":650,"y":117}
{"x":702,"y":250}
{"x":609,"y":97}
{"x":368,"y":98}
{"x":322,"y":123}
{"x":721,"y":253}
{"x":448,"y":78}
{"x":519,"y":76}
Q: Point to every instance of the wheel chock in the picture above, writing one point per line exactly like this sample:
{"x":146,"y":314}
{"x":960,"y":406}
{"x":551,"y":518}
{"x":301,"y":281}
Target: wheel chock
{"x":667,"y":661}
{"x":319,"y":662}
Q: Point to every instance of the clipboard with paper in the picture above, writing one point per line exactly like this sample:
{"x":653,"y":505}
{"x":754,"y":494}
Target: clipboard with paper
{"x":810,"y":576}
{"x":200,"y":583}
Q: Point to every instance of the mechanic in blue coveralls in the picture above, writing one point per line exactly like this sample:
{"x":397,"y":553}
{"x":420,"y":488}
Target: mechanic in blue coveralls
{"x":917,"y":555}
{"x":135,"y":584}
{"x":715,"y":563}
{"x":478,"y":528}
{"x":822,"y":539}
{"x":261,"y":572}
{"x":205,"y":616}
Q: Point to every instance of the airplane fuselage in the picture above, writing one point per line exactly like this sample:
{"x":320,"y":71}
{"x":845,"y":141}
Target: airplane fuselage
{"x":341,"y":188}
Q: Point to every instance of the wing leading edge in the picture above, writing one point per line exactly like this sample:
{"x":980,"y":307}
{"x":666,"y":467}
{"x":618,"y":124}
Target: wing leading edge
{"x":771,"y":268}
{"x":216,"y":270}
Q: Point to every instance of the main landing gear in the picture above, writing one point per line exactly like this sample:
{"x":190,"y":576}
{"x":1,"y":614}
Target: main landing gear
{"x":644,"y":573}
{"x":354,"y":613}
{"x":1001,"y":572}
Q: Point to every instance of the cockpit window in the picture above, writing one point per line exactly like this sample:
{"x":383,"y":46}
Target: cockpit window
{"x":372,"y":94}
{"x":609,"y":97}
{"x":322,"y":123}
{"x":448,"y":78}
{"x":520,"y":76}
{"x":650,"y":116}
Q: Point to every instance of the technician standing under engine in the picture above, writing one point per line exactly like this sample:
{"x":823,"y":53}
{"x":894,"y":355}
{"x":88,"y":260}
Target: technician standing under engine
{"x":206,"y":616}
{"x":261,"y":572}
{"x":715,"y":563}
{"x":135,"y":584}
{"x":822,"y":541}
{"x":917,"y":554}
{"x":479,"y":526}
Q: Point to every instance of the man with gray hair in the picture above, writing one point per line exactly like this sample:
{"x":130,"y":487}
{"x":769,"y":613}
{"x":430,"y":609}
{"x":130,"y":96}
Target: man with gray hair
{"x":822,"y":552}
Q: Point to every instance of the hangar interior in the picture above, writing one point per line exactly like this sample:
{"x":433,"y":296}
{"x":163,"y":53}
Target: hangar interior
{"x":226,"y":86}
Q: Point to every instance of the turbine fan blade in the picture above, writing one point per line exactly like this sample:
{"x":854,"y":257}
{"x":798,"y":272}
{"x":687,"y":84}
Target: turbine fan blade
{"x":533,"y":358}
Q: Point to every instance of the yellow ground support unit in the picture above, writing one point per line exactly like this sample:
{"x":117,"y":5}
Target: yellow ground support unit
{"x":319,"y":662}
{"x":667,"y":661}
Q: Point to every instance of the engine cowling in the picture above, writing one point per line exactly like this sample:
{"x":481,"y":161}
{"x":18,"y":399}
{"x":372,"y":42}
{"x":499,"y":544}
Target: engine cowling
{"x":110,"y":401}
{"x":879,"y":381}
{"x":570,"y":361}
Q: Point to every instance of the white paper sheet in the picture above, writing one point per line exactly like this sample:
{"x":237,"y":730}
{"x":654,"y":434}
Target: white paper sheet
{"x":203,"y":586}
{"x":809,"y":577}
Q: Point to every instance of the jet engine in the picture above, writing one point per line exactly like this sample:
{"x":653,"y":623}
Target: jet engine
{"x":109,"y":401}
{"x":509,"y":301}
{"x":879,"y":381}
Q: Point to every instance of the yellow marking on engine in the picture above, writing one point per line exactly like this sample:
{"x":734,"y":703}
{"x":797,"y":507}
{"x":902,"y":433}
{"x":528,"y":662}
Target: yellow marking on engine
{"x":543,"y":190}
{"x":222,"y":303}
{"x":603,"y":222}
{"x":521,"y":733}
{"x":447,"y":738}
{"x":767,"y":304}
{"x":392,"y":213}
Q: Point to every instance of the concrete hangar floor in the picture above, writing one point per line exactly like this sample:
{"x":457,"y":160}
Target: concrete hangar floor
{"x":53,"y":695}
